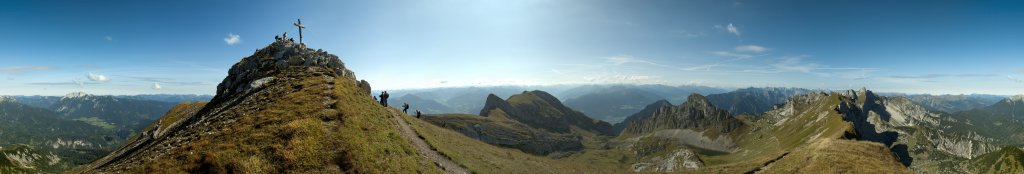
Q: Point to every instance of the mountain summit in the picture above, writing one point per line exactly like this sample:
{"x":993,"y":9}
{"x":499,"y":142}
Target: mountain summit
{"x":282,"y":55}
{"x":542,"y":110}
{"x":695,"y":113}
{"x":286,"y":108}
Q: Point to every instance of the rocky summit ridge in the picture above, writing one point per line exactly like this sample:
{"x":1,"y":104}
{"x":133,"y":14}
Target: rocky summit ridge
{"x":255,"y":70}
{"x":284,"y":108}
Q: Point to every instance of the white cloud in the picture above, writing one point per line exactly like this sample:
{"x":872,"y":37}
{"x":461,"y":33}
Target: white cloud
{"x":728,"y":28}
{"x":79,"y":83}
{"x":232,"y":39}
{"x":21,"y":69}
{"x":731,"y":54}
{"x":108,"y":38}
{"x":751,"y":48}
{"x":732,"y":29}
{"x":156,"y":86}
{"x":98,"y":77}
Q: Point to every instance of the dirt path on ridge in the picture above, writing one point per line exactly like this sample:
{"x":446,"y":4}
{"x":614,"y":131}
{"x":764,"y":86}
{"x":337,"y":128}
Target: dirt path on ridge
{"x":425,"y":149}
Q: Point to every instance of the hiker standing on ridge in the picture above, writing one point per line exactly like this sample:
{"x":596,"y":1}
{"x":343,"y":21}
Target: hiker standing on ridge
{"x":405,"y":107}
{"x":418,"y":114}
{"x":384,"y":98}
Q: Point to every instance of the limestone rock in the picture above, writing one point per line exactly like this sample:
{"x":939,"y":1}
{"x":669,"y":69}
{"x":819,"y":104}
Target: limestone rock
{"x":696,"y":113}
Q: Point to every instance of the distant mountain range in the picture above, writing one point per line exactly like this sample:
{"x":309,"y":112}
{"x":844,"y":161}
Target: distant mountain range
{"x":610,"y":103}
{"x":953,"y":103}
{"x":43,"y":130}
{"x":289,"y":108}
{"x":76,"y":128}
{"x":753,"y":101}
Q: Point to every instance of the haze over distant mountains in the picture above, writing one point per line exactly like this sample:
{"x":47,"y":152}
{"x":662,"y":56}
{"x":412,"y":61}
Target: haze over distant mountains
{"x":75,"y":129}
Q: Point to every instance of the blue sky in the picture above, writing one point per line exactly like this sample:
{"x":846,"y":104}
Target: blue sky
{"x":182,"y":47}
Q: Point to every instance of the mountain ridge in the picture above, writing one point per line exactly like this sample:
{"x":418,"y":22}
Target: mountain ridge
{"x":285,"y":108}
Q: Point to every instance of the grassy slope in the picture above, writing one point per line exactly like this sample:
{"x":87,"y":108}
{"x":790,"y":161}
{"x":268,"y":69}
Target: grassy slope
{"x":760,"y":142}
{"x":481,"y":157}
{"x":296,"y":132}
{"x":839,"y":156}
{"x":1007,"y":160}
{"x":179,"y":111}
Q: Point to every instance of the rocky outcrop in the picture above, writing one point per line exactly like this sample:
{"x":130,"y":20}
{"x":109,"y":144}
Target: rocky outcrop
{"x":276,"y":57}
{"x":495,"y":103}
{"x":696,"y":113}
{"x":539,"y":109}
{"x":893,"y":121}
{"x":647,"y":112}
{"x":22,"y":158}
{"x":678,"y":160}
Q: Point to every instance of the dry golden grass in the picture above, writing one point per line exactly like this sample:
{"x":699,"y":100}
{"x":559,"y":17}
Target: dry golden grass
{"x":481,"y":157}
{"x":293,"y":130}
{"x":839,"y":156}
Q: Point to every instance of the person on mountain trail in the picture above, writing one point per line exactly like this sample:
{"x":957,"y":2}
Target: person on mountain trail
{"x":405,"y":107}
{"x":418,"y":114}
{"x":384,"y":98}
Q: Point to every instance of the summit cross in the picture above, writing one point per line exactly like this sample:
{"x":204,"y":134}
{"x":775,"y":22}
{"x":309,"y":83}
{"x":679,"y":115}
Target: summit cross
{"x":299,"y":25}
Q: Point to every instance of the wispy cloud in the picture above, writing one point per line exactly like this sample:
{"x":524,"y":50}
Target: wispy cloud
{"x":556,"y":71}
{"x":932,"y":76}
{"x":626,"y":59}
{"x":161,"y":80}
{"x":796,"y":64}
{"x":750,"y":48}
{"x":1014,"y":79}
{"x":108,"y":38}
{"x":232,"y":39}
{"x":97,"y":77}
{"x":690,"y":34}
{"x":22,"y":69}
{"x":731,"y":54}
{"x":73,"y":82}
{"x":156,"y":86}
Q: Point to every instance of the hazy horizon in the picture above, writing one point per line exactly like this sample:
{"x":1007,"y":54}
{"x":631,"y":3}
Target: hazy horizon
{"x":187,"y":47}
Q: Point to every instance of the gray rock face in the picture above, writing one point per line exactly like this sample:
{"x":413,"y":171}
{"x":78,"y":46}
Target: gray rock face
{"x":280,"y":55}
{"x":894,"y":120}
{"x":647,"y":112}
{"x":696,"y":113}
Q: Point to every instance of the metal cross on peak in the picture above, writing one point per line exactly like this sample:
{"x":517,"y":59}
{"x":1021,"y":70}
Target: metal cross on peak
{"x":299,"y":24}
